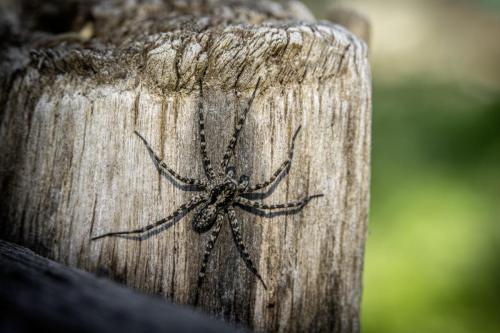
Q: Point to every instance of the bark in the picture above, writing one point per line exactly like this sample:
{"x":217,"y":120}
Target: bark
{"x":72,"y":168}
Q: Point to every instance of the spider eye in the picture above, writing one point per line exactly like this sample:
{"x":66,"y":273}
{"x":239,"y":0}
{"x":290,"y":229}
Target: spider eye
{"x":230,"y":171}
{"x":244,"y":180}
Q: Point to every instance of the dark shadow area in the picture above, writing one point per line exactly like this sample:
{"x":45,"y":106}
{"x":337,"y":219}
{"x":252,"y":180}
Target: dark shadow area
{"x":55,"y":16}
{"x":38,"y":294}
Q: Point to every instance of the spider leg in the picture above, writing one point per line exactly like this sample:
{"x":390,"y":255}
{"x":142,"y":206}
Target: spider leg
{"x":208,"y":250}
{"x":235,"y":228}
{"x":293,"y":204}
{"x":283,"y":167}
{"x":232,"y":143}
{"x":195,"y":201}
{"x":162,"y":166}
{"x":203,"y":143}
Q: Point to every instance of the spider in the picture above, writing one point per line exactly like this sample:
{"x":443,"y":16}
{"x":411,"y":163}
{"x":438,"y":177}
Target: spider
{"x":221,"y":192}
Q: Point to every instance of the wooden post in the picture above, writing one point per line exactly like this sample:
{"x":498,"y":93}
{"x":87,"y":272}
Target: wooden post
{"x":38,"y":293}
{"x":72,"y":167}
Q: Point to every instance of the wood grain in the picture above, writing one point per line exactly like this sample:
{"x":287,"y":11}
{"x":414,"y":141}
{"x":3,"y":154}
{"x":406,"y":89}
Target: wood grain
{"x":72,"y":168}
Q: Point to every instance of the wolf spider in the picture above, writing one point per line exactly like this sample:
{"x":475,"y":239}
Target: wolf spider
{"x":221,"y":192}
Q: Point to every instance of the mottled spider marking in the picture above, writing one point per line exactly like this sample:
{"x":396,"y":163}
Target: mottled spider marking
{"x":293,"y":204}
{"x":162,"y":166}
{"x":234,"y":138}
{"x":238,"y":240}
{"x":193,"y":202}
{"x":221,"y":192}
{"x":207,"y":165}
{"x":206,"y":256}
{"x":283,"y":167}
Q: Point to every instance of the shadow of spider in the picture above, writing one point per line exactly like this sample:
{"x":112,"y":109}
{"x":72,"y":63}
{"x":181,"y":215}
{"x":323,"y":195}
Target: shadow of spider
{"x":219,"y":193}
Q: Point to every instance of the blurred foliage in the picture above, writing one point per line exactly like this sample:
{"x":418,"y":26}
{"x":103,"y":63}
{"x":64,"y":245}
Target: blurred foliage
{"x":432,"y":252}
{"x":492,"y":3}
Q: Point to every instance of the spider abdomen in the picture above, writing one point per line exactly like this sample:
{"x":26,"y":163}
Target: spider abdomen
{"x":204,"y":218}
{"x":220,"y":198}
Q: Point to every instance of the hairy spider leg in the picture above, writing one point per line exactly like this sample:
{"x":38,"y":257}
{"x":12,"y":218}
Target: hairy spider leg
{"x":195,"y":201}
{"x":162,"y":166}
{"x":203,"y":143}
{"x":208,"y":250}
{"x":283,"y":167}
{"x":293,"y":204}
{"x":235,"y":228}
{"x":232,"y":143}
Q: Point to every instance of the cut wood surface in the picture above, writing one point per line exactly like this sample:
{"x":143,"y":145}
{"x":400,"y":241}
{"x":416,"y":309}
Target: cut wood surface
{"x":72,"y":168}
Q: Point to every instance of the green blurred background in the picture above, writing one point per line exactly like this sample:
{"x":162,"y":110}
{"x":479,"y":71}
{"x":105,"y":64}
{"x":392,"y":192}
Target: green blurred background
{"x":432,"y":257}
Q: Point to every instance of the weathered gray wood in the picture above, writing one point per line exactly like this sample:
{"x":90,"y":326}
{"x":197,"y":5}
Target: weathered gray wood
{"x":38,"y":294}
{"x":71,"y":167}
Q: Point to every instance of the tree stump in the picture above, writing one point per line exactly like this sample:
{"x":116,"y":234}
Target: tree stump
{"x":72,"y":167}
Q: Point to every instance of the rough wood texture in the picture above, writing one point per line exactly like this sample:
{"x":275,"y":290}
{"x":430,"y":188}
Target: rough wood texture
{"x":37,"y":294}
{"x":71,"y":167}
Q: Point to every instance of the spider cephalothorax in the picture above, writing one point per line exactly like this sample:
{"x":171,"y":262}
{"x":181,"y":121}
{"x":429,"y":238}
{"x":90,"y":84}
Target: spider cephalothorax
{"x":220,"y":193}
{"x":220,"y":196}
